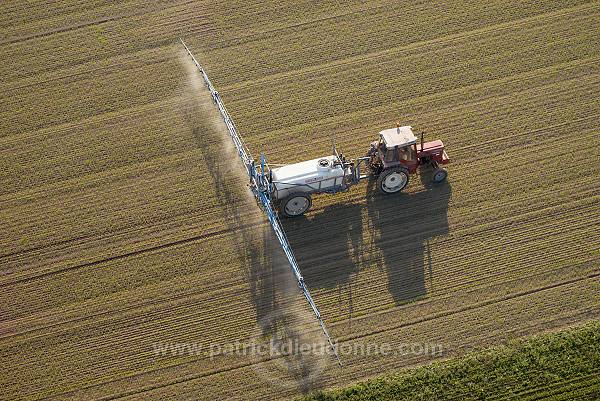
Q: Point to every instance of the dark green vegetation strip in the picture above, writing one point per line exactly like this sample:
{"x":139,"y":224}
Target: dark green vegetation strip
{"x":557,"y":366}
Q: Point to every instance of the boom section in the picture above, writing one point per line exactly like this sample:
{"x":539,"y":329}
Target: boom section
{"x":262,"y":189}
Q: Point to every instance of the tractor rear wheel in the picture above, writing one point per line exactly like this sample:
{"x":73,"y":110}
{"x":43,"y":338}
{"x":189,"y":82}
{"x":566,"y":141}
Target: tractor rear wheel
{"x":439,"y":174}
{"x":393,"y":180}
{"x":295,"y":205}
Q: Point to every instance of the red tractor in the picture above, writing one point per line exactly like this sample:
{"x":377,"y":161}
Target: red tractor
{"x":396,"y":155}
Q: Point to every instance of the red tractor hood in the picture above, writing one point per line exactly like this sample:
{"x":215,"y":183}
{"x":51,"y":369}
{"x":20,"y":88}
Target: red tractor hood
{"x":431,"y":147}
{"x":434,"y":149}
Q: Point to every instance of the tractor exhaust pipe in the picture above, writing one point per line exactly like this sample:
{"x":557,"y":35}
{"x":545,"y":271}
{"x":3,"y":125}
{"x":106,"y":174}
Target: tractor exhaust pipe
{"x":422,"y":140}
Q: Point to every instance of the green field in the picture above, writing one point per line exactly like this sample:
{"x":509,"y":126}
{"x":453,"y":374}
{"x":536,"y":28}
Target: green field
{"x":123,"y":224}
{"x":557,"y":366}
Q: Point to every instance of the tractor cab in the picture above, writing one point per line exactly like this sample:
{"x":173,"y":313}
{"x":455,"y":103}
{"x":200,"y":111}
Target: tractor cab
{"x":396,"y":146}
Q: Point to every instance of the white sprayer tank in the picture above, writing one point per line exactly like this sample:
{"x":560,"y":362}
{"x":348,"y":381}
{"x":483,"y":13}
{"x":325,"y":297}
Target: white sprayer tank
{"x":317,"y":175}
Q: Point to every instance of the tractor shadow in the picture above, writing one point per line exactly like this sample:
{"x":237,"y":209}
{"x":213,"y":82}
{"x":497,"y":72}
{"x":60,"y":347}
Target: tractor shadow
{"x":390,"y":233}
{"x":402,"y":227}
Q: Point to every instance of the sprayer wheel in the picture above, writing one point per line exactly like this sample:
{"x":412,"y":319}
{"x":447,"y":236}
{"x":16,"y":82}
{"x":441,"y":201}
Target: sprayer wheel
{"x":295,"y":205}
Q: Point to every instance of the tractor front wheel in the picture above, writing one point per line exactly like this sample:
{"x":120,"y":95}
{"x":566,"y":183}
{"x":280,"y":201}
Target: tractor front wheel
{"x":439,"y":175}
{"x":393,"y":180}
{"x":295,"y":205}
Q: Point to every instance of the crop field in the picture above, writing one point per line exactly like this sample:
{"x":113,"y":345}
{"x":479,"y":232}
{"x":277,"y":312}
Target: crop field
{"x":556,"y":366}
{"x":131,"y":258}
